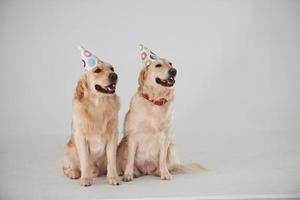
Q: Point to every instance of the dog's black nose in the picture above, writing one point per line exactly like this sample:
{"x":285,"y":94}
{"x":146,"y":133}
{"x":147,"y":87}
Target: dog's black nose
{"x":112,"y":77}
{"x":172,"y":72}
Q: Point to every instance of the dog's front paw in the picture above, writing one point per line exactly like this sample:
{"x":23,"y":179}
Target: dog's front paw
{"x":114,"y":180}
{"x":72,"y":174}
{"x":165,"y":175}
{"x":86,"y":181}
{"x":127,"y":177}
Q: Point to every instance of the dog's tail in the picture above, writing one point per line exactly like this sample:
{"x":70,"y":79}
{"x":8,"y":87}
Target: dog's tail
{"x":187,"y":168}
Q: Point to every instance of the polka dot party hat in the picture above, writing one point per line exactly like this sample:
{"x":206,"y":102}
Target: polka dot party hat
{"x":89,"y":61}
{"x":147,"y":55}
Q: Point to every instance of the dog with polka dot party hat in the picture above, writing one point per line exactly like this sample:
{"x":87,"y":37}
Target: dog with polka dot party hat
{"x":148,"y":147}
{"x":91,"y":149}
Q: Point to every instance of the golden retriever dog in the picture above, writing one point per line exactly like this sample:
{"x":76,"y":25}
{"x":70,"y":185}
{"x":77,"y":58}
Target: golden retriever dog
{"x":91,"y":150}
{"x":147,"y":147}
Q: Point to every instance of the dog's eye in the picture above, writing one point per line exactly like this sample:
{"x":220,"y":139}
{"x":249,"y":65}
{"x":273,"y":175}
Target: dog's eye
{"x":170,"y":63}
{"x":158,"y":65}
{"x":112,"y":69}
{"x":97,"y":70}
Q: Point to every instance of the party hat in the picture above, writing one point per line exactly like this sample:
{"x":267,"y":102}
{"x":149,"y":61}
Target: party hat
{"x":147,"y":55}
{"x":89,"y":60}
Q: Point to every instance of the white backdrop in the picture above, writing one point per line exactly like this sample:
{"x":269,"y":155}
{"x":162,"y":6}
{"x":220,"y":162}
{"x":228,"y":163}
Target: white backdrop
{"x":238,"y":61}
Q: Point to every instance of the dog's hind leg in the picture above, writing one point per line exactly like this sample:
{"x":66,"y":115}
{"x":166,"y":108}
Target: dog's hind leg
{"x":71,"y":165}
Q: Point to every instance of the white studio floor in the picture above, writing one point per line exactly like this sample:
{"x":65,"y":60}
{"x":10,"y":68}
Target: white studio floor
{"x":241,"y":166}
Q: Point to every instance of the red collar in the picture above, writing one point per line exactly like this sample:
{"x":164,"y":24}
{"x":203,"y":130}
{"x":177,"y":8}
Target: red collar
{"x":158,"y":102}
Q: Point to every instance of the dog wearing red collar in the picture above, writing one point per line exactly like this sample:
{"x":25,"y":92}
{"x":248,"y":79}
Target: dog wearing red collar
{"x":147,"y":147}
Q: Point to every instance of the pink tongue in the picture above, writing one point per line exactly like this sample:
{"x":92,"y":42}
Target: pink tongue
{"x":112,"y":87}
{"x":170,"y":81}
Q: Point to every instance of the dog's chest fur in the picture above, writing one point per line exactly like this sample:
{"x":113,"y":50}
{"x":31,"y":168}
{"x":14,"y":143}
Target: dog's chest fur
{"x":147,"y":119}
{"x":96,"y":145}
{"x":156,"y":117}
{"x":92,"y":119}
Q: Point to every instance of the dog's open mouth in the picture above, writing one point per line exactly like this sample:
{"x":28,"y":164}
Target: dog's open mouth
{"x":169,"y":82}
{"x":110,"y":89}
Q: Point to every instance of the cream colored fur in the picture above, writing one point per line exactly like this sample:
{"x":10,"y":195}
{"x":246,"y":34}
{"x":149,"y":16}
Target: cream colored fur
{"x":91,"y":150}
{"x":147,"y":147}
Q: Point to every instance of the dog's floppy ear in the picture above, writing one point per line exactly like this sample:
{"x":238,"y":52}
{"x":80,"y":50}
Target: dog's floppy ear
{"x":142,"y":76}
{"x":81,"y":89}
